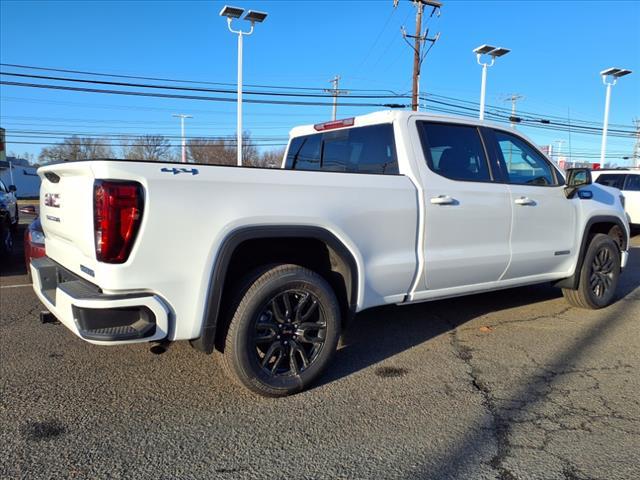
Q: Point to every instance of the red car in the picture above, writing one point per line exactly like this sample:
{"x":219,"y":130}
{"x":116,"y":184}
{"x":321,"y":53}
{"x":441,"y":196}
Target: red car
{"x":33,"y":238}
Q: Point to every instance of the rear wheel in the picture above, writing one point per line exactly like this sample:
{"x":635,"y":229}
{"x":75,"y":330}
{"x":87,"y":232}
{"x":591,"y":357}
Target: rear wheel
{"x":284,"y":331}
{"x":599,"y":275}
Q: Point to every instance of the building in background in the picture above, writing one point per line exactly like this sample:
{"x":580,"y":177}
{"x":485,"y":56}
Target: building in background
{"x":18,"y":172}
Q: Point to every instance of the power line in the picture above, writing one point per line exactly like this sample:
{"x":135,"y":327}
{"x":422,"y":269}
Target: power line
{"x":189,"y":97}
{"x":180,"y":88}
{"x":292,"y":94}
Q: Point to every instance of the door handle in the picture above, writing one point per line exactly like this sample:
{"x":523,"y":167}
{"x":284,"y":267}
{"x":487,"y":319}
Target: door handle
{"x":524,"y":201}
{"x":443,"y":200}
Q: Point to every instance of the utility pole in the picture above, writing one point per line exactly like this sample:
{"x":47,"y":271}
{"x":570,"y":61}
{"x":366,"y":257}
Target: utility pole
{"x":513,"y":98}
{"x":418,"y":39}
{"x":336,"y":92}
{"x":182,"y":116}
{"x":416,"y":58}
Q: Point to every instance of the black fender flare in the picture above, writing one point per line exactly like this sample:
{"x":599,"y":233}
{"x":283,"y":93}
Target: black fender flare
{"x":206,"y":341}
{"x":572,"y":281}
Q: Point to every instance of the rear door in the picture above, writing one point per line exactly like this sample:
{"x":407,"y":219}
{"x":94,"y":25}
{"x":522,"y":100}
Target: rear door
{"x":543,"y":237}
{"x":467,"y":212}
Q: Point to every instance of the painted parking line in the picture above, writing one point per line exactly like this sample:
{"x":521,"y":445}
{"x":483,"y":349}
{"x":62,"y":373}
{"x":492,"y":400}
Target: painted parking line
{"x":17,"y":286}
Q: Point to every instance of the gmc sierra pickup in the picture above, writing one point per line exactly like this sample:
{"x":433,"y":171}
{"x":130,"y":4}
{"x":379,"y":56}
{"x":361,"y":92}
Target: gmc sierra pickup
{"x":386,"y":208}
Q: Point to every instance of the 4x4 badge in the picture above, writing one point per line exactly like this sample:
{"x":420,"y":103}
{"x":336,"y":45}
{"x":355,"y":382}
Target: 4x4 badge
{"x":176,"y":171}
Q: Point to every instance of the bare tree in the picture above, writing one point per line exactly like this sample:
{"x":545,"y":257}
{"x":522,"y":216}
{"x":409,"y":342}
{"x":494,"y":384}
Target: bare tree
{"x":77,"y":148}
{"x":213,"y":152}
{"x":272,"y":158}
{"x":148,"y":147}
{"x":222,"y":151}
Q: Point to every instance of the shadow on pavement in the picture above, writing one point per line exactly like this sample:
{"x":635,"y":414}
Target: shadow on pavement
{"x":381,"y":333}
{"x":530,"y":391}
{"x":15,"y":264}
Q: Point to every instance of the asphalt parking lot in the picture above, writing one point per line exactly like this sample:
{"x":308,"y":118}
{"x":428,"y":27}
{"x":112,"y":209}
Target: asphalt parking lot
{"x":507,"y":385}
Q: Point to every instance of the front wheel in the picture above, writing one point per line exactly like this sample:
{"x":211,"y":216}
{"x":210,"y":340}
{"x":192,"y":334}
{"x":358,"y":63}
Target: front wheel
{"x":284,"y":331}
{"x":599,"y":275}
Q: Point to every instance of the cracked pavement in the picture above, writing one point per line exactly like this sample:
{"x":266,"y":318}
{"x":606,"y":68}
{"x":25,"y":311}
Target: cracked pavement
{"x":506,"y":385}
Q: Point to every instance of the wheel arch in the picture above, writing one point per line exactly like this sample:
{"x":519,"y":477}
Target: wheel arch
{"x":340,"y":256}
{"x":596,"y":224}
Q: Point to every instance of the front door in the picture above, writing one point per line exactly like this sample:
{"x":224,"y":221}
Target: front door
{"x":543,"y":240}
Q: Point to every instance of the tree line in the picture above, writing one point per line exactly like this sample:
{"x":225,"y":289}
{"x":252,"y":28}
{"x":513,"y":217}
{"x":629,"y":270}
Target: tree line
{"x":158,"y":148}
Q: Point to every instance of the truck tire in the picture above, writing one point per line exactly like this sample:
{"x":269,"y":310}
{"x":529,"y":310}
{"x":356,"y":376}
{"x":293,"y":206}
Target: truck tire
{"x":284,"y":330}
{"x":599,"y":275}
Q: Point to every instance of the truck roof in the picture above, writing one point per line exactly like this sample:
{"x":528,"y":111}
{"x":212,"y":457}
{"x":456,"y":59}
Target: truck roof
{"x":388,"y":116}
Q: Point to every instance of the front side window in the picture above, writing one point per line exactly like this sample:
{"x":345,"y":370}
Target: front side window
{"x":454,"y":151}
{"x":354,"y":150}
{"x":633,"y":183}
{"x":3,"y":189}
{"x":522,"y":163}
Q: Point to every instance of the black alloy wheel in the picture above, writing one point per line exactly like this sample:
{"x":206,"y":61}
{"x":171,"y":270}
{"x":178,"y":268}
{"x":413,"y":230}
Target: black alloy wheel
{"x":598,"y":275}
{"x":290,"y":333}
{"x":601,"y":277}
{"x":284,"y":330}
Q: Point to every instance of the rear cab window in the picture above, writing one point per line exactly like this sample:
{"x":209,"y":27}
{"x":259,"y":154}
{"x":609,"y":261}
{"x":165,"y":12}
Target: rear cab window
{"x":368,"y":149}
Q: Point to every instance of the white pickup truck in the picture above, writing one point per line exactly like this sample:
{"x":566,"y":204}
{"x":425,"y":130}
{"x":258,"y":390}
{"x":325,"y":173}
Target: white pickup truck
{"x":268,"y":265}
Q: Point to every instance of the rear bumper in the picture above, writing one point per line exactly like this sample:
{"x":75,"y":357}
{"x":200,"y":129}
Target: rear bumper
{"x":94,"y":316}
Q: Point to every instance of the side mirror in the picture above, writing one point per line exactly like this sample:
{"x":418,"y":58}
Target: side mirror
{"x":576,"y":178}
{"x":12,"y":188}
{"x":28,"y":210}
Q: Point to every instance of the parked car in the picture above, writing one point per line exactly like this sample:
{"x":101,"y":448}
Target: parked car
{"x":628,"y":181}
{"x":386,"y":208}
{"x":9,"y":218}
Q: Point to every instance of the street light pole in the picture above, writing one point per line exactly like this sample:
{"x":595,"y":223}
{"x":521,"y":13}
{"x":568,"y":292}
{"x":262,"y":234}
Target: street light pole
{"x":182,"y":116}
{"x":240,"y":34}
{"x":494,"y":52}
{"x":483,"y":86}
{"x":605,"y":124}
{"x":610,"y":77}
{"x":253,"y":17}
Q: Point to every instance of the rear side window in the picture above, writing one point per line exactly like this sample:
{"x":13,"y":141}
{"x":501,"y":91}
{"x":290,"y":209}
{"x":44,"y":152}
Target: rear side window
{"x":615,"y":180}
{"x":354,"y":150}
{"x":454,"y":151}
{"x":633,"y":183}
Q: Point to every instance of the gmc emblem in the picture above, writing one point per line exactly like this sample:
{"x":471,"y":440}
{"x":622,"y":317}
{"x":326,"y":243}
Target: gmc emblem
{"x":52,"y":200}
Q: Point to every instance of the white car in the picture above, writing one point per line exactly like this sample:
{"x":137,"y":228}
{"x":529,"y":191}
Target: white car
{"x":628,"y":181}
{"x":8,"y":218}
{"x":386,"y":208}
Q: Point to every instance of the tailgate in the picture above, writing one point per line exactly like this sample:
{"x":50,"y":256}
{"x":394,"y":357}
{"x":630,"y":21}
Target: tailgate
{"x":66,"y":211}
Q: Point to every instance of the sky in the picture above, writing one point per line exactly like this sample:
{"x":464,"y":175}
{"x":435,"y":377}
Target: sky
{"x":557,"y":48}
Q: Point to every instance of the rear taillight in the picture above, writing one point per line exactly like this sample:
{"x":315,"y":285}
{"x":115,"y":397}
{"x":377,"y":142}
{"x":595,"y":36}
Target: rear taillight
{"x":117,"y":213}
